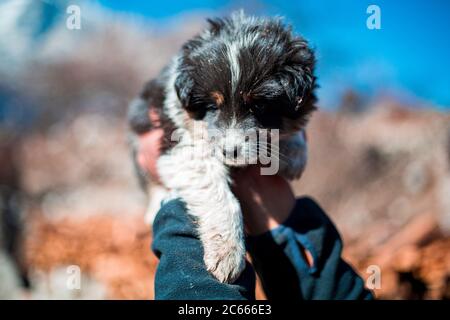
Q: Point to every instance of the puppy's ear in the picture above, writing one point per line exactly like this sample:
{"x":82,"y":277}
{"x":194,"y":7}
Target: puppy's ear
{"x":152,"y":96}
{"x":138,"y":119}
{"x":215,"y":25}
{"x":298,"y":80}
{"x":183,"y":87}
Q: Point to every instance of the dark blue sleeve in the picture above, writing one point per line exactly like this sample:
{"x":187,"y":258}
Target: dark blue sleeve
{"x":181,"y":273}
{"x":284,"y":273}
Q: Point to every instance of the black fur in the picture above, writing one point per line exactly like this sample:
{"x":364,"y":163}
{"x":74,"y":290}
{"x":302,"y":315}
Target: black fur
{"x":276,"y":80}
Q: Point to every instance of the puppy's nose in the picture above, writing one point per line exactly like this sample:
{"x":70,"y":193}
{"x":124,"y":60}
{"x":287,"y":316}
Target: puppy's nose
{"x":234,"y":151}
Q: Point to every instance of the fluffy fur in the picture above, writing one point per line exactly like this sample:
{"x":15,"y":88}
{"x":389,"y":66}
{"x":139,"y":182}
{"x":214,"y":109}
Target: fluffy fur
{"x":241,"y":75}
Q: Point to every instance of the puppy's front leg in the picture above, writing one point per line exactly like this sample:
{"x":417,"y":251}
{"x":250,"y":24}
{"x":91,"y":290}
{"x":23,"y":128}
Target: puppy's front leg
{"x":203,"y":183}
{"x":221,"y":232}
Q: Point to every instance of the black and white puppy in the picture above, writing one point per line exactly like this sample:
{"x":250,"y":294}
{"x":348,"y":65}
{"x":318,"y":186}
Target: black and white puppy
{"x":241,"y":74}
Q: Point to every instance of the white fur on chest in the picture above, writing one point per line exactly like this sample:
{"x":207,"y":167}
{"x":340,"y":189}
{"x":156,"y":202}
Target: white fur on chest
{"x":202,"y":182}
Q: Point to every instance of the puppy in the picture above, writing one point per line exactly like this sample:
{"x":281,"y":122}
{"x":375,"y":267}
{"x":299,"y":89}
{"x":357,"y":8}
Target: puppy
{"x":241,"y":76}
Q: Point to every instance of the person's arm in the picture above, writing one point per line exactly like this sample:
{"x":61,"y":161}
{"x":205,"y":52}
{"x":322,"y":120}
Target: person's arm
{"x":301,"y":259}
{"x":295,"y":248}
{"x":181,"y":273}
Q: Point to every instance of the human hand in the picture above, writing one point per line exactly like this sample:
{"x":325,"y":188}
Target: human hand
{"x":266,"y":200}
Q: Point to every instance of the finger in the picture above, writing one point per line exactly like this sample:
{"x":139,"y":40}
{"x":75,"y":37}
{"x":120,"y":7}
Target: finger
{"x":154,"y":117}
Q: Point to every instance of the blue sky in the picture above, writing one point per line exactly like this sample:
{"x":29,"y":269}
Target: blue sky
{"x":408,"y":58}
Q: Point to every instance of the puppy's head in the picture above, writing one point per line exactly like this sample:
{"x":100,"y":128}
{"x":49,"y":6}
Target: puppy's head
{"x":244,"y":74}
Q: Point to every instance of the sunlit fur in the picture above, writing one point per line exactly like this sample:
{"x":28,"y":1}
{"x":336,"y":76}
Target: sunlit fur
{"x":242,"y":73}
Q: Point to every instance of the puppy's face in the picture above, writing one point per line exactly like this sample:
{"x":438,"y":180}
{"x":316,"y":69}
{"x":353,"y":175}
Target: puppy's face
{"x":245,"y":74}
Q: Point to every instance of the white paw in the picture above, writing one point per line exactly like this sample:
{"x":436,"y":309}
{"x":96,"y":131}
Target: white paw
{"x":295,"y":152}
{"x":225,"y":262}
{"x":293,"y":169}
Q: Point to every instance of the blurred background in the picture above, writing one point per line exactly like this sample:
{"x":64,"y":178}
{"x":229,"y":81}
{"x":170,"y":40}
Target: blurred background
{"x":379,"y":146}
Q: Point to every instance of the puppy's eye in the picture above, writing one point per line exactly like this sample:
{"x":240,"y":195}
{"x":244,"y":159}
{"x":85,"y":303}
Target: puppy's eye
{"x":211,"y":107}
{"x":256,"y":108}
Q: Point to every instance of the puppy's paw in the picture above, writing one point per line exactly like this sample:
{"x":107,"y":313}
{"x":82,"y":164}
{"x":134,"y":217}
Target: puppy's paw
{"x":293,"y":169}
{"x":225,"y":262}
{"x":295,"y":152}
